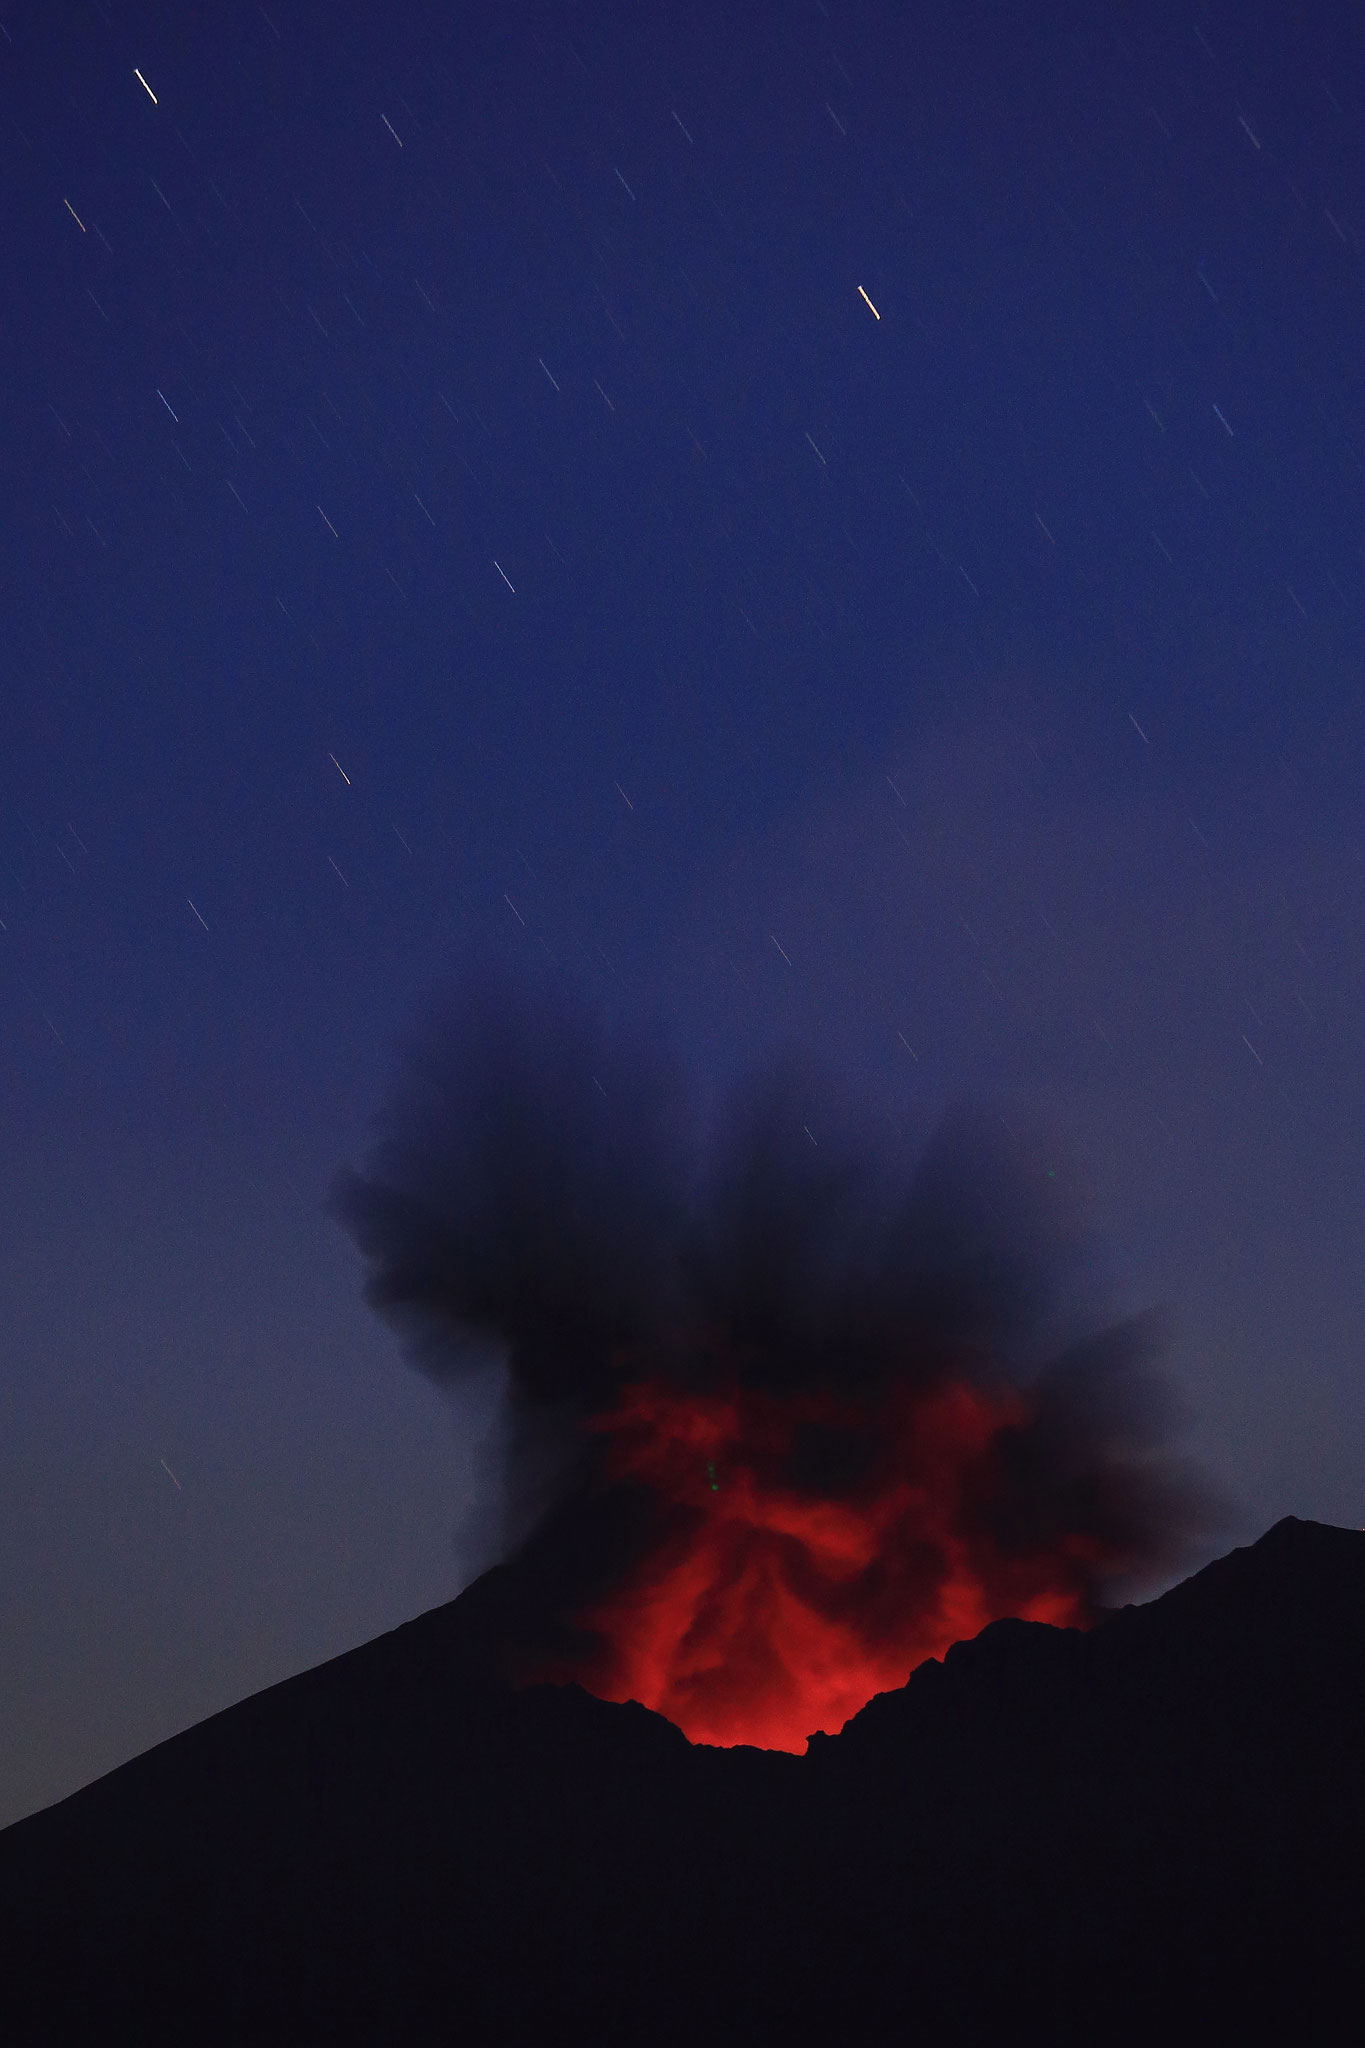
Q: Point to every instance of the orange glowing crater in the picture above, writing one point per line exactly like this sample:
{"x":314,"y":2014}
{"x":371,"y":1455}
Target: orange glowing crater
{"x":778,"y":1601}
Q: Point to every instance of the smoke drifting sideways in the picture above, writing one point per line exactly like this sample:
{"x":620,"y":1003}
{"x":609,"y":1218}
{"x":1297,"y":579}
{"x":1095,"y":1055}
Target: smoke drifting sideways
{"x":778,"y":1425}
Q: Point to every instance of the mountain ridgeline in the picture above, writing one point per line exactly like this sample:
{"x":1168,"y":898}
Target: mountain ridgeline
{"x":1153,"y":1828}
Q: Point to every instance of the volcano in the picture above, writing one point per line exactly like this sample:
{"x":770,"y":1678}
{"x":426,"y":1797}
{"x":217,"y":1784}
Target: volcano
{"x":1150,"y":1828}
{"x":781,"y":1419}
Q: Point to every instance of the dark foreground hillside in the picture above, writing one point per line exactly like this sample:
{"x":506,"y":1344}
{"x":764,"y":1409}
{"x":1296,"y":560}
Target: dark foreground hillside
{"x":1155,"y":1831}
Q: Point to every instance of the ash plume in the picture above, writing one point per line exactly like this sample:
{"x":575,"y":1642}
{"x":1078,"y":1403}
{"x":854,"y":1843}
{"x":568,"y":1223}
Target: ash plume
{"x":549,"y":1194}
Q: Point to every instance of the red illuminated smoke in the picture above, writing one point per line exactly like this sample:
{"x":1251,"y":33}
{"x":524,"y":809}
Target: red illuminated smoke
{"x":772,"y":1605}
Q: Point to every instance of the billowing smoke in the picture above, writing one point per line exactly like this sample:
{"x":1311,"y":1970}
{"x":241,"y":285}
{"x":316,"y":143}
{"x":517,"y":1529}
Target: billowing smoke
{"x":778,"y":1425}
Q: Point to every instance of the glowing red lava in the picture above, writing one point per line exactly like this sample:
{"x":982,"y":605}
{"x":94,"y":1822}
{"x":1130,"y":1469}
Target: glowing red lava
{"x":787,"y":1589}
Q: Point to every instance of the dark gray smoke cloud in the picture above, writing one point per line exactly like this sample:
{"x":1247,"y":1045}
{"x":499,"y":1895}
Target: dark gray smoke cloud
{"x":548,"y":1190}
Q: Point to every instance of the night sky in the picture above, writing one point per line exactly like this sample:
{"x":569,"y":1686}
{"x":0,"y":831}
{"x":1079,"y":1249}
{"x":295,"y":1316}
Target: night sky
{"x":835,"y":526}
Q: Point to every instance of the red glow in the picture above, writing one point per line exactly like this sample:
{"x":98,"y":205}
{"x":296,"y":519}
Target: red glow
{"x":776,"y":1602}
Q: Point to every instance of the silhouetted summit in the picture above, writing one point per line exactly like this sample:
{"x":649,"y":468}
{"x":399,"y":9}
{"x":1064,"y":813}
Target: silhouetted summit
{"x":1153,"y":1830}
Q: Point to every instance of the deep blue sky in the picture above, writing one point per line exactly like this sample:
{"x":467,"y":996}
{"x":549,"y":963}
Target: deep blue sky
{"x":455,"y":491}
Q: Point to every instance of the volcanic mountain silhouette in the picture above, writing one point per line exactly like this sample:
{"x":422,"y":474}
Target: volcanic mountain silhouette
{"x":1151,"y":1830}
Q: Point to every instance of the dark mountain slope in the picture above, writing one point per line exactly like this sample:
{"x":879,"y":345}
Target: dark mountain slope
{"x":1154,"y":1828}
